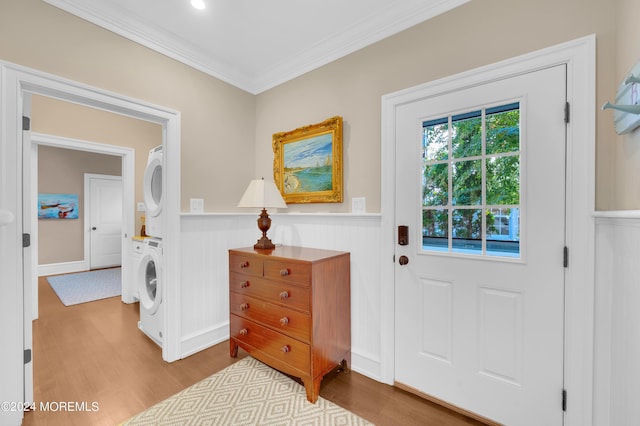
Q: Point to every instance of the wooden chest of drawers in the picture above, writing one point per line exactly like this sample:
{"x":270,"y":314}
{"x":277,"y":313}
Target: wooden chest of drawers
{"x":290,"y":307}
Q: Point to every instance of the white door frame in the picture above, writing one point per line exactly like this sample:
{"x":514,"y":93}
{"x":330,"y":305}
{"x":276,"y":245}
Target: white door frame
{"x":128,"y":200}
{"x":16,"y":84}
{"x":579,"y":56}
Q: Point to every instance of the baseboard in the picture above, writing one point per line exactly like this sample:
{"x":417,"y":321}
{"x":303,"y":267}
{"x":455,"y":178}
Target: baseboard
{"x":366,"y":365}
{"x":196,"y":342}
{"x":62,"y":268}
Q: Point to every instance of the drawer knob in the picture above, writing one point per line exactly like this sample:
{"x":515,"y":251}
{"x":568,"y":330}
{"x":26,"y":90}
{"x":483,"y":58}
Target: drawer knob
{"x":244,"y":332}
{"x":284,"y":272}
{"x":285,"y":349}
{"x":284,"y":295}
{"x":284,"y":320}
{"x":244,"y":284}
{"x":244,"y":306}
{"x":244,"y":264}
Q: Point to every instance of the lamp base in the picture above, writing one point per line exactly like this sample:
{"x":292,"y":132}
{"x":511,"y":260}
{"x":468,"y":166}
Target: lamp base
{"x":264,"y":243}
{"x":264,"y":223}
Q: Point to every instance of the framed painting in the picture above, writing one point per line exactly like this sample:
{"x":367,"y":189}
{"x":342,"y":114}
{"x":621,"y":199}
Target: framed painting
{"x":307,"y":163}
{"x":57,"y":206}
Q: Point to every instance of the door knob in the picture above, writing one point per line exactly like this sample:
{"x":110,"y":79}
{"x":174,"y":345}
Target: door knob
{"x":93,"y":228}
{"x":403,"y":260}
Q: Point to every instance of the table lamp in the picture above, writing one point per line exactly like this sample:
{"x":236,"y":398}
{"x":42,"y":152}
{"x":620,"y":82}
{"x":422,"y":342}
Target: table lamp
{"x":262,"y":194}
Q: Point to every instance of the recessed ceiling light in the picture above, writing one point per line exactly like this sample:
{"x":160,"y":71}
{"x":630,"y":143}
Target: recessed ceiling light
{"x":198,"y":4}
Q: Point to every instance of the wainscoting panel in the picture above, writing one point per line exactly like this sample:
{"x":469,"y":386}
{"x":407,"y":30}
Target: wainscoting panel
{"x":204,"y":267}
{"x":206,"y":238}
{"x":617,"y":315}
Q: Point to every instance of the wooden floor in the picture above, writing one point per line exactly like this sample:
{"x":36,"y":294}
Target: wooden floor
{"x":93,"y":353}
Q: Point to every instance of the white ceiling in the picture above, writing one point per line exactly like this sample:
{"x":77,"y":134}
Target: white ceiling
{"x":256,"y":44}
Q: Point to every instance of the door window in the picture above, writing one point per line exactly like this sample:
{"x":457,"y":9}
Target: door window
{"x":471,"y":182}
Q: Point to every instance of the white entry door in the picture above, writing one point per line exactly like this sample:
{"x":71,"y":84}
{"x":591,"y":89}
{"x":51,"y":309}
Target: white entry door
{"x":480,"y":184}
{"x":104,"y":213}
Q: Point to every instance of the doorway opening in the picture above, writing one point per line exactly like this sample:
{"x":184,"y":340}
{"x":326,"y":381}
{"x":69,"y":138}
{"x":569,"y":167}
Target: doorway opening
{"x":128,"y":181}
{"x":18,"y":84}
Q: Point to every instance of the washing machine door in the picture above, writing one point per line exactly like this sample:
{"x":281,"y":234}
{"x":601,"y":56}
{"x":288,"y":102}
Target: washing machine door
{"x":152,"y":185}
{"x":150,"y":281}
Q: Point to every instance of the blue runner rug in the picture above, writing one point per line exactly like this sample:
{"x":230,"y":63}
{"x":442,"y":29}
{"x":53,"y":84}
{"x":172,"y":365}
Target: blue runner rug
{"x":73,"y":289}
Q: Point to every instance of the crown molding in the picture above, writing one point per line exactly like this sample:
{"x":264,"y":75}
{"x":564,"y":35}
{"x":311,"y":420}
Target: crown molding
{"x":136,"y":29}
{"x":398,"y":16}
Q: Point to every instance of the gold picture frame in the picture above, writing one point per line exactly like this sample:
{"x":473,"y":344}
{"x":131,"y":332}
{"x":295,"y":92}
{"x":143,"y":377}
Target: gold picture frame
{"x":307,"y":163}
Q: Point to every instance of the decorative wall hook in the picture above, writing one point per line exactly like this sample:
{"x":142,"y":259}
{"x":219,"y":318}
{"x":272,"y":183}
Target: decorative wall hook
{"x":626,"y":107}
{"x":632,"y":109}
{"x":631,"y":79}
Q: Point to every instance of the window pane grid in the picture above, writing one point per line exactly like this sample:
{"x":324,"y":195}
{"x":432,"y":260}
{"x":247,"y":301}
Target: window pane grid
{"x":471,"y":183}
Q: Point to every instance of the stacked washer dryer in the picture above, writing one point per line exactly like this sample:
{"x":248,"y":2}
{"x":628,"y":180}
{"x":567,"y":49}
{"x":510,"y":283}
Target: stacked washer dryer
{"x":150,"y":276}
{"x":152,"y":187}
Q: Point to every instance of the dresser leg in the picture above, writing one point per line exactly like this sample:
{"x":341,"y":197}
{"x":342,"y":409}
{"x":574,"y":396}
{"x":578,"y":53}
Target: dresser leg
{"x":313,"y":389}
{"x":344,"y":366}
{"x":233,"y":349}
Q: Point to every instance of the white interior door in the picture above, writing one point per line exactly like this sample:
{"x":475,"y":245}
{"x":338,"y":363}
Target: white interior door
{"x":480,"y":303}
{"x":104,"y":201}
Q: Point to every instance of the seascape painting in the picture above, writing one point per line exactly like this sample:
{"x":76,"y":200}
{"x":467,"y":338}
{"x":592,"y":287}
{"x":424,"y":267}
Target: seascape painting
{"x":57,"y":206}
{"x":308,"y":165}
{"x":307,"y":162}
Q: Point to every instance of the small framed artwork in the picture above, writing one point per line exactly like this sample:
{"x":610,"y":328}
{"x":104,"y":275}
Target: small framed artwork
{"x":57,"y":206}
{"x":307,"y":163}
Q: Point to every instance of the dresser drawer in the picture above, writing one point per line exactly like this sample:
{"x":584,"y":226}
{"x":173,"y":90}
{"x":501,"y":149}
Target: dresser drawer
{"x":289,"y":307}
{"x":251,"y":265}
{"x":280,"y":293}
{"x":295,"y":272}
{"x":293,"y":323}
{"x":280,"y":346}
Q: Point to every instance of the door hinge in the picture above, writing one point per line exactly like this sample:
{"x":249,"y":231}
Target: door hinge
{"x":567,"y":113}
{"x":564,"y":400}
{"x":394,"y":258}
{"x":27,"y":356}
{"x":565,"y":257}
{"x":26,"y":123}
{"x":26,"y":240}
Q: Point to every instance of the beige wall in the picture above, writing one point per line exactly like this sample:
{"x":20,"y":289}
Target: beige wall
{"x":61,"y":171}
{"x":54,"y":117}
{"x":217,"y":119}
{"x":226,"y":132}
{"x":476,"y":34}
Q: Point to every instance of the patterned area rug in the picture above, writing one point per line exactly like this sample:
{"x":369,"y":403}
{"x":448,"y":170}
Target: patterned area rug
{"x":245,"y":393}
{"x":73,"y":289}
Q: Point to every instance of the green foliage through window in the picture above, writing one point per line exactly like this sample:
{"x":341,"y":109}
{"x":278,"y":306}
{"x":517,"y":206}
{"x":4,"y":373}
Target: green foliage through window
{"x":471,"y":161}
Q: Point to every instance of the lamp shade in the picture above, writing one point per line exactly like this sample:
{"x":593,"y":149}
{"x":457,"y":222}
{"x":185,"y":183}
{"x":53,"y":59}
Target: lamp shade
{"x":263,"y":194}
